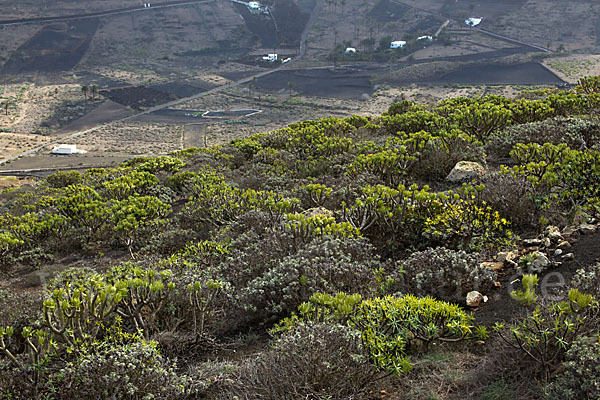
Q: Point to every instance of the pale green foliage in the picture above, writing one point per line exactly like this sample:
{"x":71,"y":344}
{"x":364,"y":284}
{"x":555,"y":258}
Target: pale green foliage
{"x":156,"y":164}
{"x":399,"y":212}
{"x":549,"y":331}
{"x":466,"y":222}
{"x":305,"y":228}
{"x":136,"y":217}
{"x":131,"y":183}
{"x":202,"y":296}
{"x":391,"y":327}
{"x":526,"y":296}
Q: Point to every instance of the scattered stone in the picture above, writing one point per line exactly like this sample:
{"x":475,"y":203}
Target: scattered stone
{"x":511,"y":263}
{"x":564,"y":245}
{"x":494,"y":266}
{"x":512,"y":256}
{"x":546,"y":242}
{"x":587,"y":229}
{"x":553,"y":233}
{"x":568,"y":257}
{"x":312,"y":212}
{"x":497,"y":284}
{"x":465,"y":171}
{"x":501,"y":257}
{"x":540,"y":262}
{"x":474,"y":298}
{"x":531,"y":242}
{"x":535,"y":261}
{"x":569,"y":230}
{"x":557,"y":252}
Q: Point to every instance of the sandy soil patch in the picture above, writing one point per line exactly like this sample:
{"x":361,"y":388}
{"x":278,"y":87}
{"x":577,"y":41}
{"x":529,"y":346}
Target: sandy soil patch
{"x":132,"y":139}
{"x":573,"y":67}
{"x":32,"y":105}
{"x":14,"y":143}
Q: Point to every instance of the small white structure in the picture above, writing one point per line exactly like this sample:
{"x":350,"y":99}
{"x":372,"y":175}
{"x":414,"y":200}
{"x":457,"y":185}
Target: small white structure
{"x":473,"y":21}
{"x":426,"y":37}
{"x":270,"y":57}
{"x":350,"y":50}
{"x":397,"y":44}
{"x":286,"y":60}
{"x":65,"y":149}
{"x":254,"y":6}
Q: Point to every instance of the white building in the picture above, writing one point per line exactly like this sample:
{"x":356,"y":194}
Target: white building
{"x":67,"y":149}
{"x":350,"y":50}
{"x":270,"y":57}
{"x":397,"y":44}
{"x":473,"y":21}
{"x":426,"y":37}
{"x":254,"y":6}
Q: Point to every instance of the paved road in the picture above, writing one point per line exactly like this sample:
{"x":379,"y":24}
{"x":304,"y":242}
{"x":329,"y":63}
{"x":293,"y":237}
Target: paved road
{"x":117,"y":11}
{"x":303,"y":37}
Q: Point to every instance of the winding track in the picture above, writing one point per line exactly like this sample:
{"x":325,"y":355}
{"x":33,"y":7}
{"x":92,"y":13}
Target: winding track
{"x":311,"y":20}
{"x":117,"y":11}
{"x":485,"y":32}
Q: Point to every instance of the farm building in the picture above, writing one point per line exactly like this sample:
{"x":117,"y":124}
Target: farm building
{"x":254,"y":6}
{"x":426,"y":37}
{"x":270,"y":57}
{"x":65,"y":149}
{"x":473,"y":21}
{"x":350,"y":50}
{"x":397,"y":44}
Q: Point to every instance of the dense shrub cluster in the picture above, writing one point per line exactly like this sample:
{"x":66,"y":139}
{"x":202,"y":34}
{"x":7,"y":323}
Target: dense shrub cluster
{"x":313,"y":361}
{"x":343,"y":229}
{"x":443,"y":273}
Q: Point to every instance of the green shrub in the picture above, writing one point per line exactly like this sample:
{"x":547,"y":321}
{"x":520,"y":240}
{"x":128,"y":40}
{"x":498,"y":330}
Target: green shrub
{"x":579,"y":377}
{"x":547,"y":333}
{"x":326,"y":264}
{"x":574,"y":132}
{"x":312,"y":361}
{"x":391,"y":327}
{"x":444,"y":274}
{"x":130,"y":371}
{"x":468,"y":224}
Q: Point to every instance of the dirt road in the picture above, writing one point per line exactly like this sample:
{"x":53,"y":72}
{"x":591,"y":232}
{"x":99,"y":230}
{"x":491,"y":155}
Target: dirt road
{"x":483,"y":31}
{"x":248,"y":79}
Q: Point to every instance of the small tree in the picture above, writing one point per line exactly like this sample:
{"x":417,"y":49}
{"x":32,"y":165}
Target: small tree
{"x":85,"y":89}
{"x":137,"y":217}
{"x":94,"y":91}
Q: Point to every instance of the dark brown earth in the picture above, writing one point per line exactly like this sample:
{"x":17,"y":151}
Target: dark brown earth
{"x":521,"y":74}
{"x":55,"y":48}
{"x":501,"y":307}
{"x":386,"y":11}
{"x":340,"y":83}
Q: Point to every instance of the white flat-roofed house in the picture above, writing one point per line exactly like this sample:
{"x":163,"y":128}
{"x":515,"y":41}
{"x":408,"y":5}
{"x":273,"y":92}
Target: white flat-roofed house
{"x":254,"y":6}
{"x":397,"y":44}
{"x":270,"y":57}
{"x":350,"y":50}
{"x":426,"y":37}
{"x":473,"y":21}
{"x":66,"y":149}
